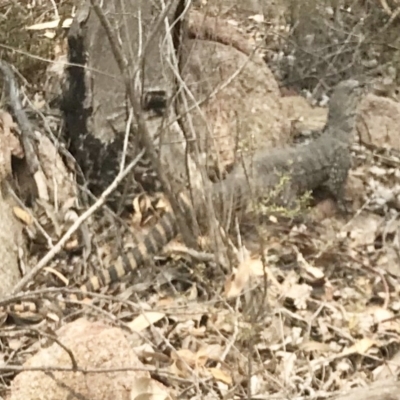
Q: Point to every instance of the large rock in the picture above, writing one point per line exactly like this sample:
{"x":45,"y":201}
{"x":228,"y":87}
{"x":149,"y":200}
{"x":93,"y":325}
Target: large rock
{"x":11,"y":239}
{"x":240,"y":102}
{"x":94,"y":346}
{"x":379,"y":121}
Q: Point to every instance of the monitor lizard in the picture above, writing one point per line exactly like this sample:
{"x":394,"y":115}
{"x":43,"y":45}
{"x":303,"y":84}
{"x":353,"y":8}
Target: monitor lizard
{"x":323,"y":162}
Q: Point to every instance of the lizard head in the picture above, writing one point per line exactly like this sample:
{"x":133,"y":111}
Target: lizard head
{"x":343,"y":104}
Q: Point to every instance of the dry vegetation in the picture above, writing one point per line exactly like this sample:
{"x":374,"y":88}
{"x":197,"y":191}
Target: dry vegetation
{"x":325,"y":42}
{"x":25,"y":44}
{"x":324,"y":316}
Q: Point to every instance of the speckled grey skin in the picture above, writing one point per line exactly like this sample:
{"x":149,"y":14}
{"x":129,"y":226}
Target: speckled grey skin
{"x":322,"y":163}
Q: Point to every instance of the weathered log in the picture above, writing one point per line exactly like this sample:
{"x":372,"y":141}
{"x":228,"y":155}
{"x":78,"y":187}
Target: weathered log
{"x":95,"y":104}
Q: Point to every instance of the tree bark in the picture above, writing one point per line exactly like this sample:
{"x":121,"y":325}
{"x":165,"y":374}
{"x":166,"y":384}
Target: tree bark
{"x":95,"y":104}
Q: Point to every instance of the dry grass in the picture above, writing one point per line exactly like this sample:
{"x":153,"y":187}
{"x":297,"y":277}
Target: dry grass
{"x":327,"y":41}
{"x":31,"y":51}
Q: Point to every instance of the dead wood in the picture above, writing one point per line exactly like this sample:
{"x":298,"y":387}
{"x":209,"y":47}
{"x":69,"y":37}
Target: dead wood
{"x":95,"y":102}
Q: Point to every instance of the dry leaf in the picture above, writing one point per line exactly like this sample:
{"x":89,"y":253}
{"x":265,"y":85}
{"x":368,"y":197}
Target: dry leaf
{"x":288,"y":361}
{"x":166,"y":301}
{"x":311,"y":345}
{"x":144,"y":320}
{"x":179,"y":369}
{"x":50,"y":25}
{"x":363,"y":229}
{"x":360,"y":347}
{"x":15,"y":344}
{"x":23,"y":216}
{"x":236,"y":283}
{"x":148,"y":389}
{"x":184,"y":361}
{"x":385,"y":321}
{"x":220,"y":375}
{"x":299,"y":294}
{"x":137,"y":213}
{"x":58,"y":275}
{"x":259,"y":18}
{"x":212,"y":351}
{"x":71,"y":244}
{"x":198,"y":332}
{"x":198,"y":359}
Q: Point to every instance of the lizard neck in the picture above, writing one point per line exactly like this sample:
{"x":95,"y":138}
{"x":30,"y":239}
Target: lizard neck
{"x":342,"y":127}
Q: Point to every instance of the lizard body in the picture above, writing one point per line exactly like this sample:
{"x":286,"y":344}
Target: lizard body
{"x":322,"y":162}
{"x":160,"y":235}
